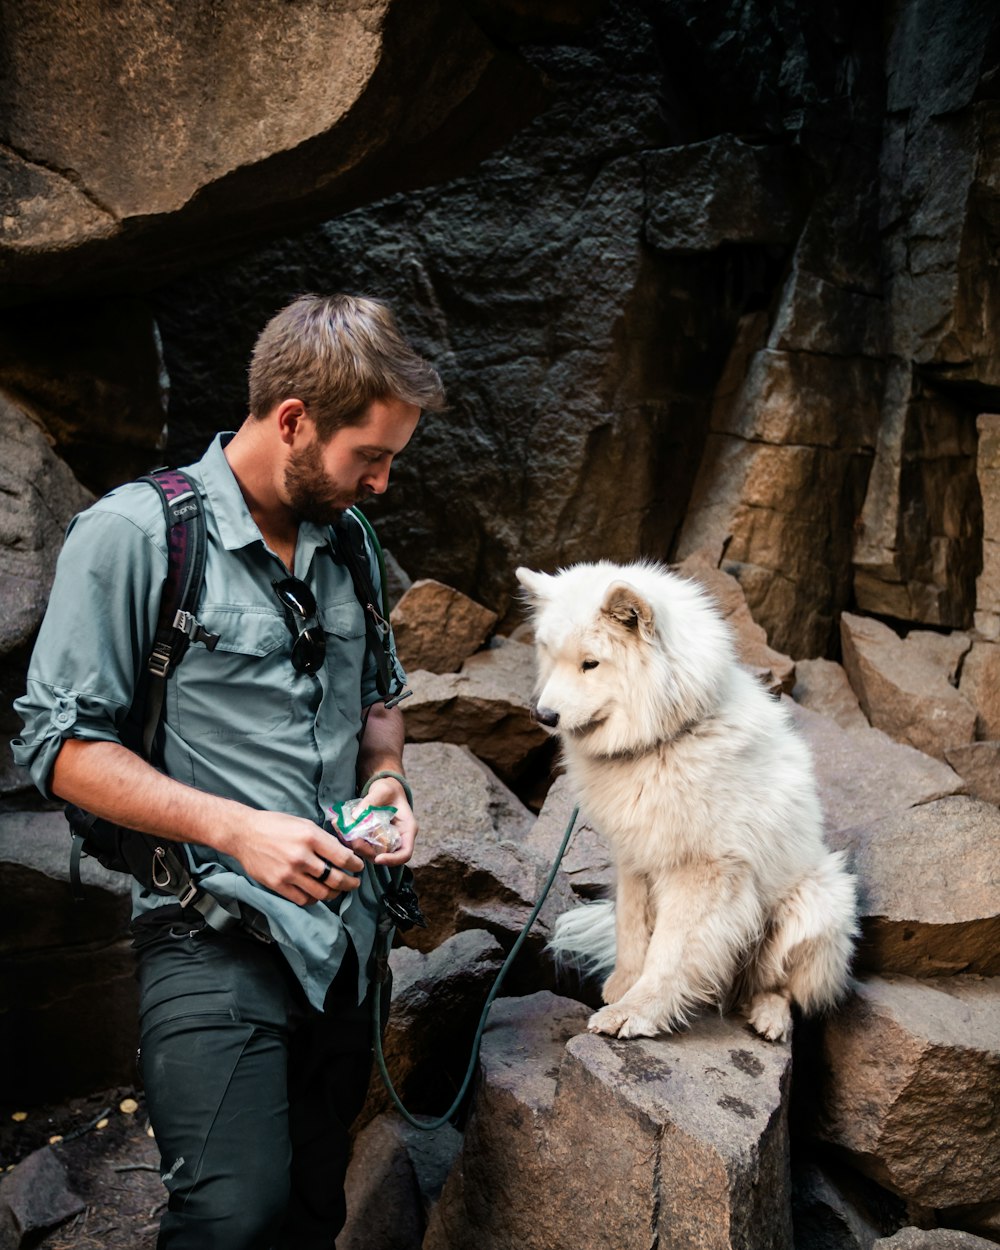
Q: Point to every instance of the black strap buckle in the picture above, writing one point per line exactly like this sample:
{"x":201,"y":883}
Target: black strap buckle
{"x":402,"y":908}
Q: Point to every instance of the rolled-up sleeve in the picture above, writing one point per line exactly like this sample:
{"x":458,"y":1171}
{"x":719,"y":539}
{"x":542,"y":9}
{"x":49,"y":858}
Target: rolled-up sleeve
{"x":97,"y":630}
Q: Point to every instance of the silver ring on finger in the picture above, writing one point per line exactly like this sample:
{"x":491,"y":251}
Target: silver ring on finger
{"x":325,"y":873}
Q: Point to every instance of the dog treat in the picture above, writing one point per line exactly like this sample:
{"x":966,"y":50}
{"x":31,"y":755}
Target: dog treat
{"x":355,"y":820}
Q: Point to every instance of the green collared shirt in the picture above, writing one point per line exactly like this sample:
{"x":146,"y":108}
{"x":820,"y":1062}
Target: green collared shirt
{"x":238,"y":722}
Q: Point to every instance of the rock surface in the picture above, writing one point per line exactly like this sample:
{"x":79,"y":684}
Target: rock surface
{"x":472,"y":865}
{"x":690,"y":1145}
{"x":933,"y":1239}
{"x":451,"y":983}
{"x":905,"y":685}
{"x":437,"y":628}
{"x":35,"y":1196}
{"x":987,"y":615}
{"x":822,"y":686}
{"x":485,"y":706}
{"x":910,"y":1095}
{"x":39,"y":908}
{"x":394,"y":1179}
{"x":929,"y":888}
{"x":980,"y":685}
{"x":38,"y":495}
{"x":978,"y":764}
{"x":130,"y":139}
{"x":587,"y":864}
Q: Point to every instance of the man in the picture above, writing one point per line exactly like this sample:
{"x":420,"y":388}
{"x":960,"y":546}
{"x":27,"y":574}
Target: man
{"x":255,"y":1054}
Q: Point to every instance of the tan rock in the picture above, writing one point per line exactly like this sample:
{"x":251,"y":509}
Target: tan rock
{"x":775,"y":670}
{"x":437,"y":628}
{"x":929,"y":880}
{"x":863,"y":775}
{"x":980,"y":684}
{"x":678,"y":1141}
{"x":485,"y":706}
{"x":933,"y":1239}
{"x":472,"y":865}
{"x":911,"y":1091}
{"x":978,"y":764}
{"x":822,"y":686}
{"x":904,"y":686}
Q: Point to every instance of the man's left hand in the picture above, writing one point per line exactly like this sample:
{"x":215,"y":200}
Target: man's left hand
{"x":387,"y":792}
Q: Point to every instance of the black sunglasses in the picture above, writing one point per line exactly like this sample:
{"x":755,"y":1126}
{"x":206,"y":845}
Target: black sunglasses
{"x":309,"y":647}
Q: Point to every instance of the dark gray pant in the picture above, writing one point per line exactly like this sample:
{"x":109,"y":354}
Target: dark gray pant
{"x":250,"y":1090}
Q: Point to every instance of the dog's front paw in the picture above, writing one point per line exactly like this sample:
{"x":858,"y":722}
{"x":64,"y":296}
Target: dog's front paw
{"x":770,"y":1016}
{"x":618,"y":985}
{"x":621,"y":1020}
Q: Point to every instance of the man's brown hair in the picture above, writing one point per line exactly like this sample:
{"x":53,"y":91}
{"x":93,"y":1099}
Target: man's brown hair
{"x":338,"y":353}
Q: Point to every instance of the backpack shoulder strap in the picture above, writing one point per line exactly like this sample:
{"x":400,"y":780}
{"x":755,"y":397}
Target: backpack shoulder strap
{"x":351,"y":542}
{"x":177,"y":626}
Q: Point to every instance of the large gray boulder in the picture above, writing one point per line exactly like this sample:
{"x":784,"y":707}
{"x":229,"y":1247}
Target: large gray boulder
{"x":910,"y":1095}
{"x":589,"y":1141}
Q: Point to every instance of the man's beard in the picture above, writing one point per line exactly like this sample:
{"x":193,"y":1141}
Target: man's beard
{"x":311,"y":494}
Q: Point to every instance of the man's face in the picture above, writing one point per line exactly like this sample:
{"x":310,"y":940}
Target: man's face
{"x":323,"y":480}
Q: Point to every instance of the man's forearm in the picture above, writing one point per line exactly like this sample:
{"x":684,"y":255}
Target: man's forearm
{"x":382,"y":744}
{"x":112,"y":782}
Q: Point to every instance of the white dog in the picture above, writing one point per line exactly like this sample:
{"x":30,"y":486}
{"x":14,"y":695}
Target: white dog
{"x":693,"y":772}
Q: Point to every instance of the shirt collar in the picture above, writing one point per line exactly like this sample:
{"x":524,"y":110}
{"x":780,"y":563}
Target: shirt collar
{"x":237,"y":528}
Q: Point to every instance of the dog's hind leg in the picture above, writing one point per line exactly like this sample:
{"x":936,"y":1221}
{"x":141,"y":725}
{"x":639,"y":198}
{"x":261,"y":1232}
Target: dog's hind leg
{"x":806,"y":957}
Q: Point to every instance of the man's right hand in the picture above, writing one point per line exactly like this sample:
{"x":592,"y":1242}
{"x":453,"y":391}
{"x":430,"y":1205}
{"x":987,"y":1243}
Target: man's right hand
{"x":289,"y":854}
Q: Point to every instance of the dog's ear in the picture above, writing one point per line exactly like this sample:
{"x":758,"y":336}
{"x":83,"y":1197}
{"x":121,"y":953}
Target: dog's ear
{"x":536,"y":584}
{"x":624,"y":604}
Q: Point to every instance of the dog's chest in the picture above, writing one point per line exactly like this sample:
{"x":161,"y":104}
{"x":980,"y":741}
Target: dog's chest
{"x":651,"y":812}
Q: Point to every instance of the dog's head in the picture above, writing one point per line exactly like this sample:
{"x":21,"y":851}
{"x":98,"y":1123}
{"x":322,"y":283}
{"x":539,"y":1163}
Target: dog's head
{"x":627,"y":655}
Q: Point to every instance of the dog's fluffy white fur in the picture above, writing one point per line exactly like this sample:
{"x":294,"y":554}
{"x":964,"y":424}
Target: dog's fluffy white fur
{"x":726,"y":894}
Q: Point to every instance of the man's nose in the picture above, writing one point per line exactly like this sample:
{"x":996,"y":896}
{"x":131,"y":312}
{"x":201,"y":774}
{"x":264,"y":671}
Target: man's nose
{"x":377,"y":481}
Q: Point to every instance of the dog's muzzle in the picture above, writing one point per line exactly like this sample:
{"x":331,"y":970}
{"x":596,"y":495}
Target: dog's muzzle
{"x":544,"y":716}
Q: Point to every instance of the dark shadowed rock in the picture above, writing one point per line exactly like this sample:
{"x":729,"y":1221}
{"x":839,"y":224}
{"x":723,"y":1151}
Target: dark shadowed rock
{"x":910,"y":1096}
{"x":828,"y":1212}
{"x":906,"y":686}
{"x":587,"y":863}
{"x":437,"y":628}
{"x":35,"y":1196}
{"x":395,"y":1178}
{"x":929,"y":888}
{"x":39,"y":909}
{"x":449,"y":984}
{"x":687,"y":1136}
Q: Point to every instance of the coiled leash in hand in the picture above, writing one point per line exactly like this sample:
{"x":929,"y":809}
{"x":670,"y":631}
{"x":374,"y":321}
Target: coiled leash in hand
{"x":384,"y":945}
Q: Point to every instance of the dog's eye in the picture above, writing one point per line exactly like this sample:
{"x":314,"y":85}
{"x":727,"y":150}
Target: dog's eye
{"x":589,"y":664}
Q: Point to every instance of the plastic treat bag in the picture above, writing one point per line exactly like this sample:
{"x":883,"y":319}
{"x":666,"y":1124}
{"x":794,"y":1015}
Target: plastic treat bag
{"x":356,"y":820}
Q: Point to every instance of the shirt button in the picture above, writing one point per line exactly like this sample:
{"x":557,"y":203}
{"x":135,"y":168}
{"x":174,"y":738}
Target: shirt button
{"x":63,"y":718}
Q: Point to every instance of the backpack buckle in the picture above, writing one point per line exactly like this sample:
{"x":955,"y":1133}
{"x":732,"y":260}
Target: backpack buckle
{"x":188,"y":624}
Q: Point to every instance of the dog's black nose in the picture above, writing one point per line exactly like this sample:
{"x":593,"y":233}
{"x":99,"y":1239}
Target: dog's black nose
{"x":545,"y":716}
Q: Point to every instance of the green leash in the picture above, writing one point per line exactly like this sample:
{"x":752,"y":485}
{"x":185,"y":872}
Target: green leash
{"x":382,"y":960}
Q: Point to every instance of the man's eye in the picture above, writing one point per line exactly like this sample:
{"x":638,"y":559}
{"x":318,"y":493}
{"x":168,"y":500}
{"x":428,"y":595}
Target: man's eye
{"x":589,"y":664}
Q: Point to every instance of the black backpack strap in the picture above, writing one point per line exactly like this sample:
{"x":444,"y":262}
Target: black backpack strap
{"x":177,"y":626}
{"x":388,"y":676}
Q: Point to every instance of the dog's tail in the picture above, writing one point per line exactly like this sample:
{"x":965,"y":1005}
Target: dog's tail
{"x":585,"y":938}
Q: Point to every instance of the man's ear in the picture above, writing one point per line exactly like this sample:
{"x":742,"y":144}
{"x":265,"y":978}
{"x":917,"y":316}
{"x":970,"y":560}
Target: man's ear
{"x":625,"y":606}
{"x":536,"y":584}
{"x":292,"y":420}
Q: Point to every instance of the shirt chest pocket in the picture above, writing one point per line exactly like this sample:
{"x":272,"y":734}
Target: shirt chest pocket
{"x":241,"y":689}
{"x":343,"y":623}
